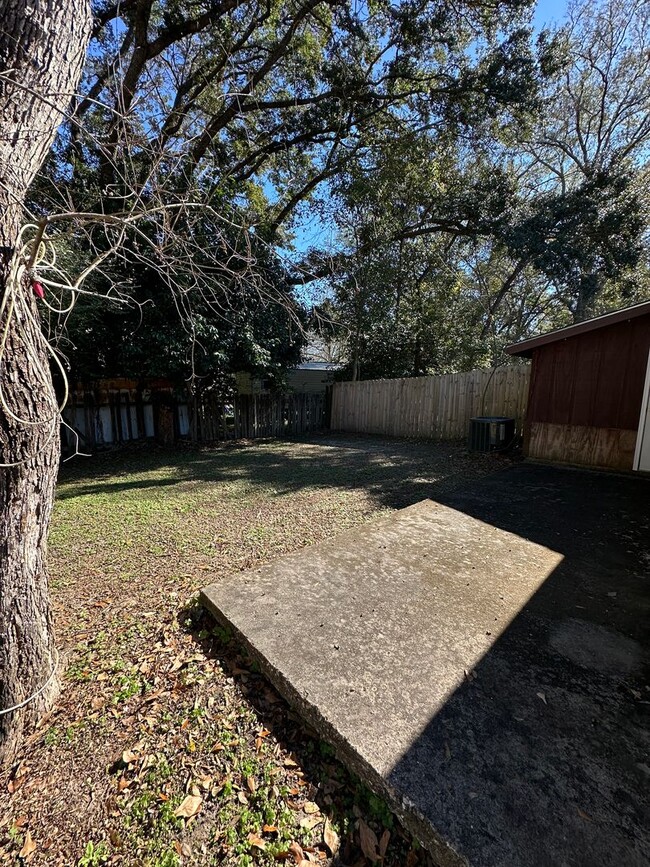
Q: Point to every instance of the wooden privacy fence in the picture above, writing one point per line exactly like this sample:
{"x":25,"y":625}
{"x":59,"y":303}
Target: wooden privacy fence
{"x":430,"y":407}
{"x":257,"y":416}
{"x":111,"y":412}
{"x":115,"y":411}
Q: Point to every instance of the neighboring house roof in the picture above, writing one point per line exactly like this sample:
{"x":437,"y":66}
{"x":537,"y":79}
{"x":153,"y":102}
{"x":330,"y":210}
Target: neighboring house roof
{"x":317,"y":365}
{"x":526,"y":347}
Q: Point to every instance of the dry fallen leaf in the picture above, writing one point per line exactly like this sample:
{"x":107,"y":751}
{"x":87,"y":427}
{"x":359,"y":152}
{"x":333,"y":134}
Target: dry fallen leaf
{"x":584,"y":815}
{"x":129,"y":756}
{"x":383,"y":843}
{"x":256,"y":841}
{"x":19,"y":778}
{"x":252,"y":786}
{"x":28,"y":847}
{"x":331,"y":838}
{"x":269,"y":829}
{"x":368,"y":840}
{"x":412,"y":858}
{"x":310,"y":807}
{"x":151,"y":697}
{"x":189,"y":807}
{"x":296,"y":850}
{"x":310,"y":822}
{"x":542,"y":696}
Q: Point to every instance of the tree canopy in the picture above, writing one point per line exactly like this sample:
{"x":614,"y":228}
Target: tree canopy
{"x":476,"y":182}
{"x":247,"y":111}
{"x":456,"y":245}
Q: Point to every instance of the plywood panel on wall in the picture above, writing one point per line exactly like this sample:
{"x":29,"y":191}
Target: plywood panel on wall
{"x":606,"y":448}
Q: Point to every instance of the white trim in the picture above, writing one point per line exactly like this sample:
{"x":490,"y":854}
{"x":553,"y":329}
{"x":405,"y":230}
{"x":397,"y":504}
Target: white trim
{"x":642,"y":432}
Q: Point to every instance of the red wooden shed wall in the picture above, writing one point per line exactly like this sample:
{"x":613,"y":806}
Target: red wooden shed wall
{"x":585,"y":395}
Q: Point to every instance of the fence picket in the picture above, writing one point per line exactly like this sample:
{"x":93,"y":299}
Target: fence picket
{"x":434,"y":407}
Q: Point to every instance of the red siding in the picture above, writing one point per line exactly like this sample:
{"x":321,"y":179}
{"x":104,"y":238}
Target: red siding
{"x":594,"y":379}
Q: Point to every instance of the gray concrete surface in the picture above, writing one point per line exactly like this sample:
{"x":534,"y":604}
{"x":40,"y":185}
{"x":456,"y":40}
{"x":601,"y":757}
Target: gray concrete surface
{"x":478,"y":663}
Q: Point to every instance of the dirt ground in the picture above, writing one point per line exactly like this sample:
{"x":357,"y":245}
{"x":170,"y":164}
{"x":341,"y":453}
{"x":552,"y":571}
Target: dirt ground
{"x":166,"y":746}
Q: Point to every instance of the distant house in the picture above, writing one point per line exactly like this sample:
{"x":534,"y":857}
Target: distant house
{"x":589,"y":398}
{"x":310,"y":377}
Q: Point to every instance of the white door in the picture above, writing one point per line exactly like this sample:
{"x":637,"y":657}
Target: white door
{"x":642,"y":453}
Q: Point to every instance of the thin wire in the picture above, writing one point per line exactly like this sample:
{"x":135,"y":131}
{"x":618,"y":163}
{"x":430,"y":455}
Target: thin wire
{"x":38,"y":691}
{"x":14,"y":295}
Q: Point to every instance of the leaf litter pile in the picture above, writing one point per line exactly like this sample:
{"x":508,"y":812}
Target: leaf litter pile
{"x":166,"y":746}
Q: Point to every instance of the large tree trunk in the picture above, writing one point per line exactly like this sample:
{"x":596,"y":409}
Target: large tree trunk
{"x":42,"y":49}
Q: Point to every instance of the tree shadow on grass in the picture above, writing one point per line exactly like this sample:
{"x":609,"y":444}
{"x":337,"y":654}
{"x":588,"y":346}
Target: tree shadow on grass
{"x":393,"y":473}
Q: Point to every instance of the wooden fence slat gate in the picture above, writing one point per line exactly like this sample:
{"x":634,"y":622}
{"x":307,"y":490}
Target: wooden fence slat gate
{"x":257,"y":417}
{"x":109,"y":415}
{"x":430,"y":407}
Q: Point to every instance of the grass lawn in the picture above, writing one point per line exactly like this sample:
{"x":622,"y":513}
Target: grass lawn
{"x":166,"y":746}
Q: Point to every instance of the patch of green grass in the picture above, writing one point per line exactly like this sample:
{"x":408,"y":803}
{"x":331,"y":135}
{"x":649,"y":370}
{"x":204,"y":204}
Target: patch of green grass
{"x":79,"y":670}
{"x":375,"y":807}
{"x":168,"y":858}
{"x":222,"y":634}
{"x":95,"y":854}
{"x":128,"y":686}
{"x":52,"y":737}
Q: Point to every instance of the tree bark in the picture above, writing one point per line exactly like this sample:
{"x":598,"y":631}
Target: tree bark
{"x":42,"y":50}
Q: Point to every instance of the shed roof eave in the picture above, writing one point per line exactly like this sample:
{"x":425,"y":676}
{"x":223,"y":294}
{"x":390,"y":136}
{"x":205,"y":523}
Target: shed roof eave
{"x":525,"y":347}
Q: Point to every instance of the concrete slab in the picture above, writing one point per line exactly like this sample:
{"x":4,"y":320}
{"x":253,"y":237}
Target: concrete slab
{"x":460,"y":661}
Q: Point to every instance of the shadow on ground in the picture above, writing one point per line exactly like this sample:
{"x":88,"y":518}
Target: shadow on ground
{"x":545,"y":749}
{"x":541,"y":757}
{"x":539,"y":753}
{"x":394,"y":473}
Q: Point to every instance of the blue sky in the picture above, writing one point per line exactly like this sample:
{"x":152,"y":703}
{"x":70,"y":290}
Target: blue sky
{"x":548,"y":12}
{"x":315,"y":233}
